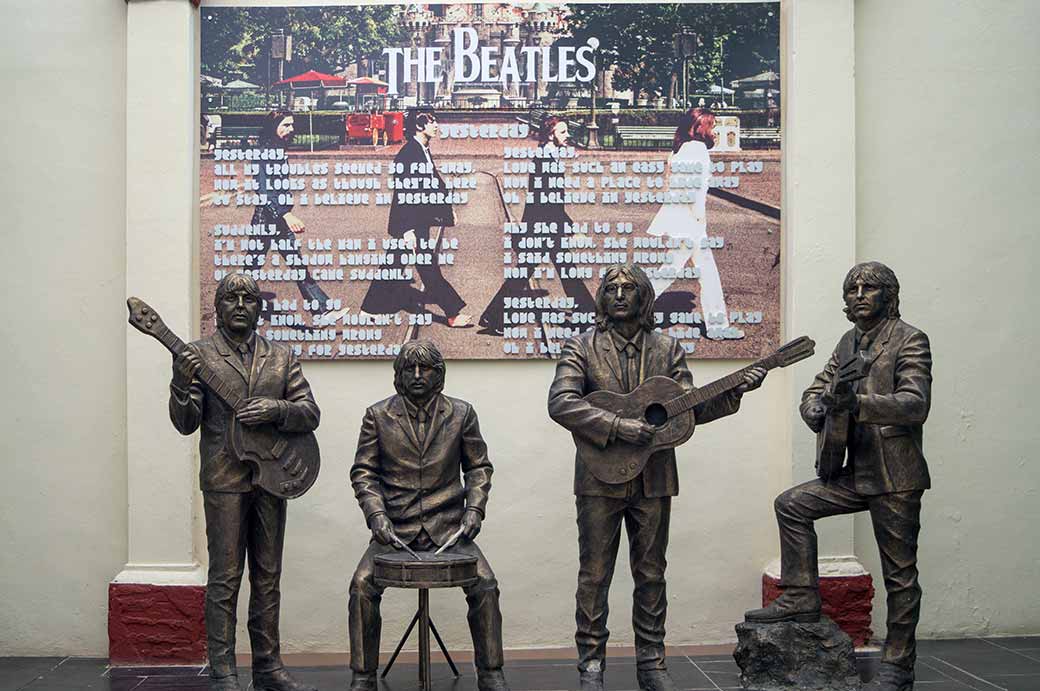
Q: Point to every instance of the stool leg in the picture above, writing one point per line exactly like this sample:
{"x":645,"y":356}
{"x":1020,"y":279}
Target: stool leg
{"x":424,"y":640}
{"x":400,"y":644}
{"x":451,"y":663}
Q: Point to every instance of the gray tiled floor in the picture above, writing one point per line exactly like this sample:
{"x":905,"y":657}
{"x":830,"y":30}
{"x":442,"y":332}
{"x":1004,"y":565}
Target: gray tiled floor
{"x":986,"y":664}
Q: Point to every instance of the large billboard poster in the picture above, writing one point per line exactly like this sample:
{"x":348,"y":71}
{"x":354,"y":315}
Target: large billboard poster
{"x":465,"y":172}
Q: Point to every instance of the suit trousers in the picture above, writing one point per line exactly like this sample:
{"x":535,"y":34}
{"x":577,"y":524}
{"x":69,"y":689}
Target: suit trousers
{"x":309,"y":288}
{"x":897,"y":523}
{"x":484,"y":615}
{"x":386,"y":297}
{"x":237,"y":525}
{"x":599,"y":535}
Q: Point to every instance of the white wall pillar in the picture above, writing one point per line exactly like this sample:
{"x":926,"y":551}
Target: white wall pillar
{"x":162,"y":154}
{"x":819,"y":210}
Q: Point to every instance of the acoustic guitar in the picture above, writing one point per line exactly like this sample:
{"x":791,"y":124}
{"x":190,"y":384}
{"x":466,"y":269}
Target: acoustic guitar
{"x":284,"y":464}
{"x":832,"y":439}
{"x":668,"y":407}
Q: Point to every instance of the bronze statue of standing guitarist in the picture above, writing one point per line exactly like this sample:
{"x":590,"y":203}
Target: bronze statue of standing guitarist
{"x":616,"y":356}
{"x":257,"y":415}
{"x":887,"y":368}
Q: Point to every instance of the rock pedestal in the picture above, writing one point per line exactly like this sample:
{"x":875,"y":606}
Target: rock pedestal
{"x":789,"y":656}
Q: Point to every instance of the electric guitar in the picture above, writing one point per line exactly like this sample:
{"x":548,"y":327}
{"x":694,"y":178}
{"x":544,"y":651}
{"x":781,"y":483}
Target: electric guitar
{"x":668,"y":407}
{"x":285,"y":464}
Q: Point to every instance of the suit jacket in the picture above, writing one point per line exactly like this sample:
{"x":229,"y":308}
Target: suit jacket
{"x":405,"y":217}
{"x":886,"y":450}
{"x":589,"y":362}
{"x":426,"y":485}
{"x":275,"y":373}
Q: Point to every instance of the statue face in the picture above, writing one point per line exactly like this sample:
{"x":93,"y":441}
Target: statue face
{"x":866,"y":301}
{"x":622,"y":299}
{"x":239,"y":311}
{"x":418,"y":381}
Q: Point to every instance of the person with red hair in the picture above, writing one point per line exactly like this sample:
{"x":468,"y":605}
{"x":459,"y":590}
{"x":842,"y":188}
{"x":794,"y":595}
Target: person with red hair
{"x":688,"y":221}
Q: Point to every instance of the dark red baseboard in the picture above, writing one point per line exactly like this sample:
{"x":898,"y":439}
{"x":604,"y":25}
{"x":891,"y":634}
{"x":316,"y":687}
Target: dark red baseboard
{"x":846,"y":599}
{"x":156,"y":624}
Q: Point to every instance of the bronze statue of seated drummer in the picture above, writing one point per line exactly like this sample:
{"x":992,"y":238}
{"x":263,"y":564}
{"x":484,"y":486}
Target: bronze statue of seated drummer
{"x":422,"y":476}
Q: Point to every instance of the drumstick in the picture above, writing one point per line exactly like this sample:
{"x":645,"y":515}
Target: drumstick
{"x":406,"y":548}
{"x":451,"y":541}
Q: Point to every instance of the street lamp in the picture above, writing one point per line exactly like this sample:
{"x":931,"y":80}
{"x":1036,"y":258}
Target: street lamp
{"x":685,"y":43}
{"x":593,"y":128}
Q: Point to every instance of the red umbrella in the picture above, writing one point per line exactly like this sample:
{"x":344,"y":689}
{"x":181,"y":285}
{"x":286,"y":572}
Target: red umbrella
{"x":312,"y":79}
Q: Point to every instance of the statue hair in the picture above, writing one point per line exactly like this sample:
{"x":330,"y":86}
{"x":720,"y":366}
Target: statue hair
{"x":877,"y":273}
{"x":419,"y":352}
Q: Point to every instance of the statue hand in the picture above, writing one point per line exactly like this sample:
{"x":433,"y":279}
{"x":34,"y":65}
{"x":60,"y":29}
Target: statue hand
{"x":845,"y":401}
{"x":753,"y":379}
{"x":635,"y":432}
{"x":382,"y":529}
{"x":471,"y":522}
{"x":257,"y":411}
{"x":185,"y":367}
{"x":815,"y":416}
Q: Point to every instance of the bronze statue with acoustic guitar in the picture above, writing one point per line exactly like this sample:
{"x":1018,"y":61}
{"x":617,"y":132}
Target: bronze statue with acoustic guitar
{"x":868,"y":407}
{"x":624,"y":468}
{"x":257,"y":448}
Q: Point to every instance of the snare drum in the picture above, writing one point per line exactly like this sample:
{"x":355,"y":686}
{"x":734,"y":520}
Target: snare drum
{"x":401,"y":570}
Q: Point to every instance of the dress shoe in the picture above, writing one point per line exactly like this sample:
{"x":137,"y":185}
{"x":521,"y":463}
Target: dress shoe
{"x":363,"y":681}
{"x":801,"y":605}
{"x":891,"y":677}
{"x":278,"y":680}
{"x":654,"y":680}
{"x":491,"y":680}
{"x":229,"y":683}
{"x":592,"y":679}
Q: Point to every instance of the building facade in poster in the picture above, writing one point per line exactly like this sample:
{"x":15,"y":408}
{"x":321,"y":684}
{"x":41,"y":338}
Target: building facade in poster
{"x":551,"y":146}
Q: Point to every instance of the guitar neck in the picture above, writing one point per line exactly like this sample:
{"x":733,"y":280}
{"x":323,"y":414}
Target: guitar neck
{"x":205,"y":372}
{"x":692,"y":399}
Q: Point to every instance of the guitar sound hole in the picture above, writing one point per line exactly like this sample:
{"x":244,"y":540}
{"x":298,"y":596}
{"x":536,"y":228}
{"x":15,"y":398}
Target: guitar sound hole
{"x":656,"y":415}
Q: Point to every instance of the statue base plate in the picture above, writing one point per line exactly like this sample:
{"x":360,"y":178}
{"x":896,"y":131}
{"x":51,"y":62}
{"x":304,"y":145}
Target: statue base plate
{"x":789,"y":656}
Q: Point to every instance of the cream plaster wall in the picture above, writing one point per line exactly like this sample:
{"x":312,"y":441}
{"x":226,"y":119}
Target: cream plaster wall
{"x":946,"y":164}
{"x":66,"y":528}
{"x":63,"y":517}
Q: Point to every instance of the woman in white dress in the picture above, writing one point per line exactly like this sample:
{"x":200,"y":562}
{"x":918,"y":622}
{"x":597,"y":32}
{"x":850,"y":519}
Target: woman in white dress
{"x":687,"y":222}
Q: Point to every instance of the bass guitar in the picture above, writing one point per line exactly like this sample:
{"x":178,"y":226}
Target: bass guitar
{"x":284,"y":464}
{"x":668,"y":407}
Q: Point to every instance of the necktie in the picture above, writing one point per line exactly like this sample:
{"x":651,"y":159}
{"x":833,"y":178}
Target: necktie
{"x":631,"y":374}
{"x":421,"y":417}
{"x":244,"y":352}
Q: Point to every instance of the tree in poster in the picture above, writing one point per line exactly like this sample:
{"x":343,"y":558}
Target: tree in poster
{"x":327,"y":39}
{"x":638,"y":40}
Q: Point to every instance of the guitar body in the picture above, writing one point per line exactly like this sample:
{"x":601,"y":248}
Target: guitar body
{"x":285,"y":464}
{"x":621,"y":461}
{"x":831,"y":445}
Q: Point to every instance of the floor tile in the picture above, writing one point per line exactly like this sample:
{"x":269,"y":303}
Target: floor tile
{"x":1017,"y":642}
{"x":16,"y":672}
{"x":1016,"y":682}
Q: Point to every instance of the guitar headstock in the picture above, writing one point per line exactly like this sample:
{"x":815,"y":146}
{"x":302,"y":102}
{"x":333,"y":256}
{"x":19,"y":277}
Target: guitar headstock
{"x":854,"y":368}
{"x":144,"y":318}
{"x":795,"y":351}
